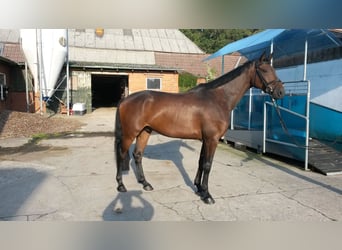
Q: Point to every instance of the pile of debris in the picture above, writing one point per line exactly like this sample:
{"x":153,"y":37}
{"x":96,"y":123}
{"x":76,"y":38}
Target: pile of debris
{"x":20,"y":124}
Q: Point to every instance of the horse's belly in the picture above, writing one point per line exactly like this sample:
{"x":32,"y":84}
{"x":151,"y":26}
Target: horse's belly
{"x":178,"y":128}
{"x":181,"y":133}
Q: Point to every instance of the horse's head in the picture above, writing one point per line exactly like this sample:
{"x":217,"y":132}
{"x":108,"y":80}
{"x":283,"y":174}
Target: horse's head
{"x":265,"y":78}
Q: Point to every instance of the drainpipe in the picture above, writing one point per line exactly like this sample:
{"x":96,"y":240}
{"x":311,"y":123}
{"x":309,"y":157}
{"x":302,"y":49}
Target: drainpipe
{"x":67,"y":74}
{"x":26,"y":89}
{"x":39,"y":66}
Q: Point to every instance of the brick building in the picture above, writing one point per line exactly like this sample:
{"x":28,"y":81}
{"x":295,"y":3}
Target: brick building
{"x":13,"y":94}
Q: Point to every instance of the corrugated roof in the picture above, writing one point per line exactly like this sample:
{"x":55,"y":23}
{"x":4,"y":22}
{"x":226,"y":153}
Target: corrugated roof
{"x":110,"y":56}
{"x":160,"y":40}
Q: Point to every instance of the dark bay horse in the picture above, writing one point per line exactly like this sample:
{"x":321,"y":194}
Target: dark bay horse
{"x":202,"y":113}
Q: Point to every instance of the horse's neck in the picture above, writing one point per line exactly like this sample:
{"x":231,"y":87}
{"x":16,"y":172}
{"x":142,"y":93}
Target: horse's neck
{"x":236,"y":88}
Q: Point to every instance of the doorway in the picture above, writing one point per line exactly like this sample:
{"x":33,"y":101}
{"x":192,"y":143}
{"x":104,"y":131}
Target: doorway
{"x":107,"y":90}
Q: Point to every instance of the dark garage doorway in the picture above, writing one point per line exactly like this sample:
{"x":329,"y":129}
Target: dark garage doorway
{"x":107,"y":90}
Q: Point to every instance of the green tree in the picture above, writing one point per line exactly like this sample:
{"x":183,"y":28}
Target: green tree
{"x":211,"y":40}
{"x":186,"y":81}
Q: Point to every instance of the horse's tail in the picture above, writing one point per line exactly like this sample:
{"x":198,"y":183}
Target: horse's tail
{"x":124,"y":163}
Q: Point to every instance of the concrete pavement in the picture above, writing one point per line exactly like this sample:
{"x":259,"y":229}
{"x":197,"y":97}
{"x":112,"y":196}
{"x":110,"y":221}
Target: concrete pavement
{"x":72,"y":178}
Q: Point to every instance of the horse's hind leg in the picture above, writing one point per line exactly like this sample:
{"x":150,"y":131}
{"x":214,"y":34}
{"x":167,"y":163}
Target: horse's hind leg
{"x":199,"y":173}
{"x":122,"y":159}
{"x":140,"y":145}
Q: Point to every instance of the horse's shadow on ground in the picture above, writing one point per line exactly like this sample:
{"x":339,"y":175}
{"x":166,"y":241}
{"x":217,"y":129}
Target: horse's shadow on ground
{"x":170,"y":151}
{"x":129,"y":206}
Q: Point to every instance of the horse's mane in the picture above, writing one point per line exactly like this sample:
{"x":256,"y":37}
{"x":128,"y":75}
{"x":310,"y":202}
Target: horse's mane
{"x":224,"y":78}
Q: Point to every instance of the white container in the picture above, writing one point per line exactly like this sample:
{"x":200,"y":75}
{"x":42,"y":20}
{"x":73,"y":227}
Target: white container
{"x":51,"y":45}
{"x":79,"y":108}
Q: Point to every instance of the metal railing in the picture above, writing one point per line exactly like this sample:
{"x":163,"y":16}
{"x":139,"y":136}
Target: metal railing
{"x":294,"y":88}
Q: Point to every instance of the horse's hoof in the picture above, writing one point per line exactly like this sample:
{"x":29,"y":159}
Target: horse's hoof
{"x":121,"y":188}
{"x":208,"y":200}
{"x":199,"y":192}
{"x":147,"y":187}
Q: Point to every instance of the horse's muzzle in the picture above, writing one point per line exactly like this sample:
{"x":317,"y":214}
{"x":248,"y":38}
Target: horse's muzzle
{"x":278,"y":91}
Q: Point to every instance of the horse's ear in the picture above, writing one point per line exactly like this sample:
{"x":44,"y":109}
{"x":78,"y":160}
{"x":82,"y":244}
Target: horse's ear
{"x":262,"y":57}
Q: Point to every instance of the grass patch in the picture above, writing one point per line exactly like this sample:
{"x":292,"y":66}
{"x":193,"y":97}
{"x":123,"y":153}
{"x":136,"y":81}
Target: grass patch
{"x":67,"y":135}
{"x":43,"y":136}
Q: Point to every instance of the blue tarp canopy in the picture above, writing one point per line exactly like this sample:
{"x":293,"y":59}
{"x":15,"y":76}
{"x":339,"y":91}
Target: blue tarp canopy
{"x":286,"y":42}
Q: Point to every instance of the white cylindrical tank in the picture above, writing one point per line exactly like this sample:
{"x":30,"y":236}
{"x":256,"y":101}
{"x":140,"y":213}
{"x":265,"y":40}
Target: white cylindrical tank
{"x":45,"y":51}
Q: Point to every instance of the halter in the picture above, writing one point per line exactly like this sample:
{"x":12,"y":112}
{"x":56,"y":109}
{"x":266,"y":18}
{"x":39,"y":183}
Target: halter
{"x":266,"y":84}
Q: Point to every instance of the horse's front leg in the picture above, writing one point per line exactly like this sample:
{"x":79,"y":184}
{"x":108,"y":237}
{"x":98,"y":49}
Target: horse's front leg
{"x":208,"y":156}
{"x":205,"y":195}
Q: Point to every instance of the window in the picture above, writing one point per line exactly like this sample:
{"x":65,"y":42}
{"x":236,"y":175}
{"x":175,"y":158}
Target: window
{"x":154,"y":83}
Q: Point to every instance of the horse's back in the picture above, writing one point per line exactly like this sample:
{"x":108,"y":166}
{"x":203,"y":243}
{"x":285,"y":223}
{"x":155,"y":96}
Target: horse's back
{"x":143,"y":98}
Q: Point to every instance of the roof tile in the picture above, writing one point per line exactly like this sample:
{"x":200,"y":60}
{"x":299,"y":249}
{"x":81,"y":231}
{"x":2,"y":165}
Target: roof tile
{"x":193,"y":63}
{"x":13,"y":52}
